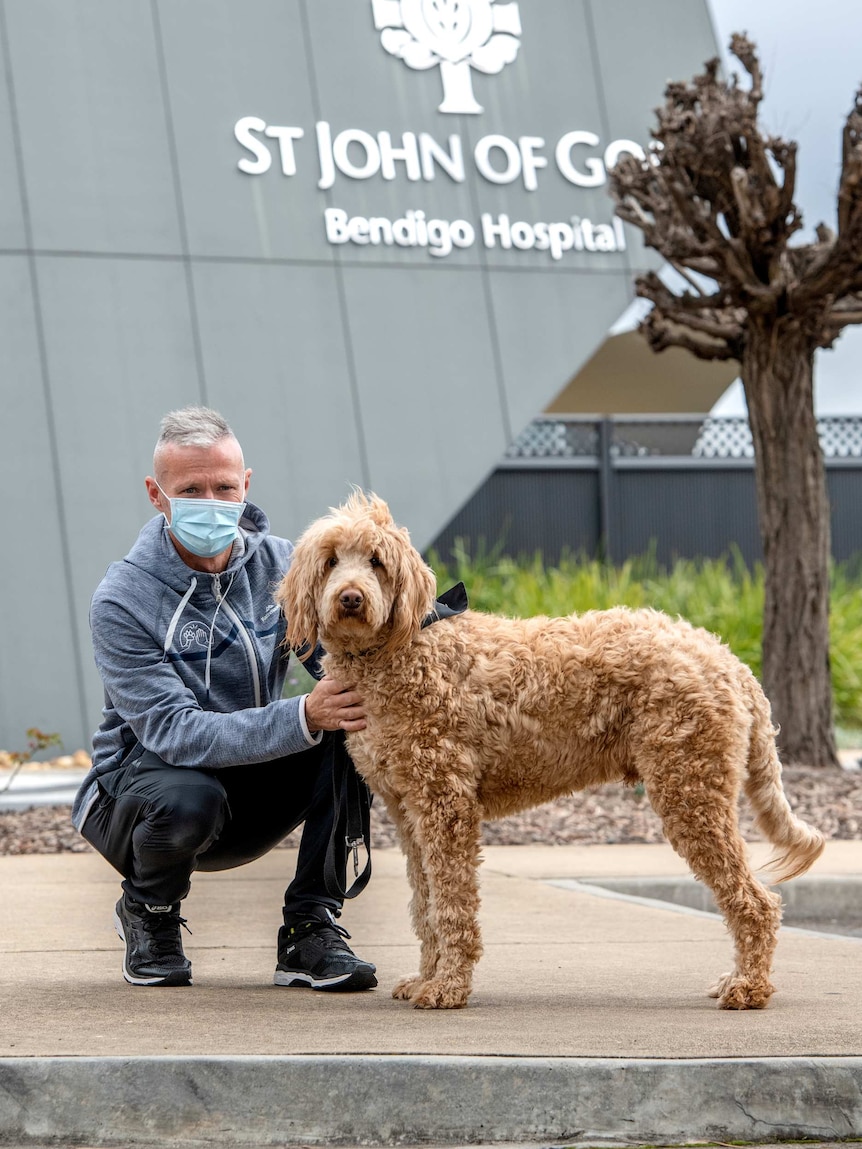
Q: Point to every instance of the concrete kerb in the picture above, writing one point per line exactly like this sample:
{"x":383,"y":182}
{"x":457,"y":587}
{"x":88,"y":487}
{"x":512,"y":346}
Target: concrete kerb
{"x":396,"y":1100}
{"x":808,"y":902}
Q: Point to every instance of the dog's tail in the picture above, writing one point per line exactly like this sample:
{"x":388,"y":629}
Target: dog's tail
{"x":797,"y":844}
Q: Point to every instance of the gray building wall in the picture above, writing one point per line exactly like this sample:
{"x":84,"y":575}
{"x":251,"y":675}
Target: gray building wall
{"x":141,"y":269}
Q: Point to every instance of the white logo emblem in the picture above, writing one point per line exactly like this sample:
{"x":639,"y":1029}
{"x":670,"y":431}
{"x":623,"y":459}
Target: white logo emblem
{"x":457,"y":35}
{"x":194,"y":634}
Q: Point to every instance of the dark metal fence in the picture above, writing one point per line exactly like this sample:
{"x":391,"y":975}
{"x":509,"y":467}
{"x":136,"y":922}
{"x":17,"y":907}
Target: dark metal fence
{"x":621,"y":486}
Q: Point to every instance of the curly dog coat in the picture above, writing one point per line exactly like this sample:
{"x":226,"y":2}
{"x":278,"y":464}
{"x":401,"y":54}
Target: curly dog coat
{"x":479,"y":716}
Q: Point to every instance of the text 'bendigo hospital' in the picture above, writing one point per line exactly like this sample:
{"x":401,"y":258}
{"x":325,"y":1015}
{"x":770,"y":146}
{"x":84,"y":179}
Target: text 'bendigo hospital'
{"x":578,"y":156}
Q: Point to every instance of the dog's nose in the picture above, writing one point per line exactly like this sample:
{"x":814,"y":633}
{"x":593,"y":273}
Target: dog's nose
{"x":351,"y":599}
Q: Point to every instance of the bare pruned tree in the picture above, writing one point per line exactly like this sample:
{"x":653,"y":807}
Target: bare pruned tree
{"x":715,"y":198}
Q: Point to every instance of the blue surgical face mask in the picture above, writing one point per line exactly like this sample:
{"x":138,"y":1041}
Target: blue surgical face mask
{"x":206,"y":527}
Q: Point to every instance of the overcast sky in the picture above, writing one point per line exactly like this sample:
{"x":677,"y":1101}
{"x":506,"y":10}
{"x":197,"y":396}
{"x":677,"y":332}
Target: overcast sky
{"x":811,"y":54}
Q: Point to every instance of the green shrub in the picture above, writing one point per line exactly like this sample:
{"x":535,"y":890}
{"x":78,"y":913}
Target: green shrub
{"x":722,"y":595}
{"x":298,"y":680}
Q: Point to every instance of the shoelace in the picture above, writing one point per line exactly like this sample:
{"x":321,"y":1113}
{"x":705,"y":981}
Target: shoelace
{"x":329,"y":933}
{"x":332,"y":935}
{"x":163,"y":930}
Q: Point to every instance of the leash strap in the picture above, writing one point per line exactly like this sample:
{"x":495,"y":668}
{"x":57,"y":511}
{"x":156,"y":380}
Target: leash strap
{"x":351,"y":827}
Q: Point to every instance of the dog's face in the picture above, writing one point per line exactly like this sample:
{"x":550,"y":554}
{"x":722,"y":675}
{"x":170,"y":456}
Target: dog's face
{"x":355,"y":581}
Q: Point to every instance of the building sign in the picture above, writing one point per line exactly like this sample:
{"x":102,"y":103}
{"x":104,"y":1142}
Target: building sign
{"x":456,"y":36}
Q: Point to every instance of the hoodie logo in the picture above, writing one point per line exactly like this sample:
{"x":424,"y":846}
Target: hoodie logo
{"x":194,"y":634}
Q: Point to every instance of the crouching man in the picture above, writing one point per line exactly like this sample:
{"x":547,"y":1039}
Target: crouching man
{"x":199,"y":763}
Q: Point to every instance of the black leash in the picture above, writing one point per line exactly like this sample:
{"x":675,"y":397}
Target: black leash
{"x":351,"y":827}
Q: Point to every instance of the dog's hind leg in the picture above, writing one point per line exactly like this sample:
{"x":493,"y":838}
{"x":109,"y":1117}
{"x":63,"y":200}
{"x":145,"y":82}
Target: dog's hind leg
{"x":447,"y":831}
{"x":699,"y":814}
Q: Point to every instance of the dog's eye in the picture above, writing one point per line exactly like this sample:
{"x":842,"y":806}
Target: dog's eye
{"x":375,"y":561}
{"x":333,"y":562}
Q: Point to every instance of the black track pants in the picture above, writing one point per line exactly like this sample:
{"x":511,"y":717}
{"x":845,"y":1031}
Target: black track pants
{"x":160,"y":823}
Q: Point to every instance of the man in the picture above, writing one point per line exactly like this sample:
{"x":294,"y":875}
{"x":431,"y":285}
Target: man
{"x":199,"y":763}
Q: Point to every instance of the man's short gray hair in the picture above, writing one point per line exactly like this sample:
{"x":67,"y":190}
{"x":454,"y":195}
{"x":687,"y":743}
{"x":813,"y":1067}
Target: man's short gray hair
{"x":191,"y":427}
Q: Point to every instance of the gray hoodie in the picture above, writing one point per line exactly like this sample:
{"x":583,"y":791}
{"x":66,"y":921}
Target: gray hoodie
{"x":192,"y":663}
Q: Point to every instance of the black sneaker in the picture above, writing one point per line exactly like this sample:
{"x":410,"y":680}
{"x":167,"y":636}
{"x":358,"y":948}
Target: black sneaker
{"x":312,"y":953}
{"x":154,"y":949}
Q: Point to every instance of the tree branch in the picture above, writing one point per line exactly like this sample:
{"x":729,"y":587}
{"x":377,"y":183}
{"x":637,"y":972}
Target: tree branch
{"x":661,"y":334}
{"x":698,"y":314}
{"x":845,"y":313}
{"x":715,"y":198}
{"x":834,"y":268}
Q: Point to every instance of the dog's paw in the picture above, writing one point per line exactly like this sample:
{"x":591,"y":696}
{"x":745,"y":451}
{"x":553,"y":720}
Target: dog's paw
{"x":437,"y":994}
{"x":404,"y":989}
{"x":717,"y":989}
{"x":735,"y":992}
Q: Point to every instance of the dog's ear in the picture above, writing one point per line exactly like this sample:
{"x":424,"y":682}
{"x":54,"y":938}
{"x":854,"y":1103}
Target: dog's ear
{"x":415,"y":586}
{"x":296,"y":597}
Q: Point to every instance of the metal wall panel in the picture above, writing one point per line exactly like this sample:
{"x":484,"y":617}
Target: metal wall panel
{"x":525,"y":512}
{"x":394,"y":98}
{"x":40,"y":679}
{"x":119,"y":354}
{"x":92,"y":124}
{"x":224,"y":61}
{"x":430,"y":405}
{"x":684,"y":513}
{"x":647,"y":37}
{"x":675,"y":511}
{"x":277,"y":364}
{"x":556,"y":42}
{"x":543,"y":324}
{"x":622,"y":31}
{"x":12,"y":233}
{"x":845,"y":502}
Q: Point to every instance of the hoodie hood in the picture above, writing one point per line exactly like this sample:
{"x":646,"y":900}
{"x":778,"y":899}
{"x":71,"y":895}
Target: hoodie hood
{"x":154,"y":552}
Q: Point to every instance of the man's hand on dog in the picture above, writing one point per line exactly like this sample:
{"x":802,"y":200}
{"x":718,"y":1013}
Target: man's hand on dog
{"x":332,"y":706}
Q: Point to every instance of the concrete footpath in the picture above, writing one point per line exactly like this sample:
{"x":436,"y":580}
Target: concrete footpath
{"x":589,"y":1021}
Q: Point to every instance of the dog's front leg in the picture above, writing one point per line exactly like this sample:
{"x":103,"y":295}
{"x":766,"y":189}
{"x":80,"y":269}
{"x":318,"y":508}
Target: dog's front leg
{"x":447,"y":831}
{"x":419,"y":907}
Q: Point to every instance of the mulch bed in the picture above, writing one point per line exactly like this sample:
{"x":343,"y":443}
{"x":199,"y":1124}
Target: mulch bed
{"x":829,"y":799}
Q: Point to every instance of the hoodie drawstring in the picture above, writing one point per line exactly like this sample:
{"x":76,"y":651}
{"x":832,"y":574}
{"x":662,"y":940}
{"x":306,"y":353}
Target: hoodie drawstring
{"x":175,"y":618}
{"x":220,"y":596}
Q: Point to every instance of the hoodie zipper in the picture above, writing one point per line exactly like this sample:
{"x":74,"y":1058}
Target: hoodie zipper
{"x":243,"y":634}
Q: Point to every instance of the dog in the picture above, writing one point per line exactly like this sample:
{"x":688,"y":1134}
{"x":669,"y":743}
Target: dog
{"x":479,"y":716}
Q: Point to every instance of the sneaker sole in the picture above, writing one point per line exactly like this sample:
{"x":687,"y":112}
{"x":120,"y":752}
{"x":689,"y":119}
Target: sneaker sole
{"x":358,"y":979}
{"x":179,"y":977}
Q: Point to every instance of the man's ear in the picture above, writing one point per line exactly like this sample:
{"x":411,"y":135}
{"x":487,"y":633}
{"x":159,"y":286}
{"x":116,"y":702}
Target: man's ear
{"x":155,"y":495}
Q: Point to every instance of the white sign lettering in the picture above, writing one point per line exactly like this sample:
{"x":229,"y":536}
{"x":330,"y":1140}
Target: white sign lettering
{"x":361,"y":155}
{"x":456,"y":36}
{"x":440,"y":237}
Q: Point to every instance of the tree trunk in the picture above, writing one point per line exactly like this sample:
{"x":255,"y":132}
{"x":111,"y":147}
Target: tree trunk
{"x":793,"y":505}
